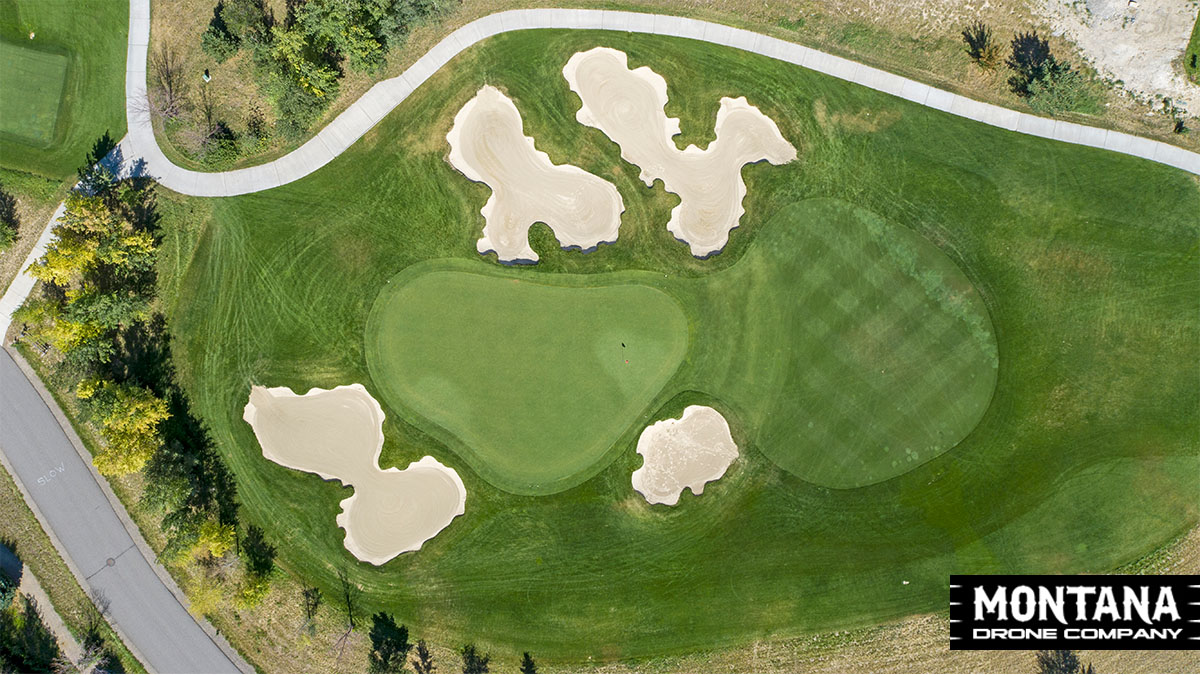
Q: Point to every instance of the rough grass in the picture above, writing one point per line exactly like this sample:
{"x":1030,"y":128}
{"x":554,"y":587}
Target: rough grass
{"x":1085,"y":459}
{"x":37,"y":197}
{"x":90,"y":36}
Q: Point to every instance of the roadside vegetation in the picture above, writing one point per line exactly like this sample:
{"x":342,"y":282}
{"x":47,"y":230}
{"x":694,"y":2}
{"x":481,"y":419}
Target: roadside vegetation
{"x":94,"y":327}
{"x":1049,"y":85}
{"x":23,"y":535}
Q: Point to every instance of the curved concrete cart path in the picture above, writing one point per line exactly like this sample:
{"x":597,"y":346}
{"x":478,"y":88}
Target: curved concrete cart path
{"x":368,"y":110}
{"x":102,"y":548}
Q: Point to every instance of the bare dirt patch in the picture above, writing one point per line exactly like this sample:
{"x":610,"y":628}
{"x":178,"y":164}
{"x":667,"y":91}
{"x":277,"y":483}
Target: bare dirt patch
{"x":628,"y":106}
{"x":338,"y":435}
{"x":683,"y":453}
{"x":1138,"y":44}
{"x":488,"y":146}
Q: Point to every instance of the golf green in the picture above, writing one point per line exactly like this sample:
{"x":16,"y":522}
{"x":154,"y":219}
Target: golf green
{"x":864,"y":350}
{"x":31,"y":85}
{"x":537,"y":378}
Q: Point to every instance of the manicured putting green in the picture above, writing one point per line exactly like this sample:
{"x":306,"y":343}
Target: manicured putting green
{"x":536,"y":378}
{"x":875,"y":352}
{"x":31,"y":86}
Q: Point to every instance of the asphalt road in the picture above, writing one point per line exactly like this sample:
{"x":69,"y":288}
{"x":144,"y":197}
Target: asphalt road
{"x":63,"y":488}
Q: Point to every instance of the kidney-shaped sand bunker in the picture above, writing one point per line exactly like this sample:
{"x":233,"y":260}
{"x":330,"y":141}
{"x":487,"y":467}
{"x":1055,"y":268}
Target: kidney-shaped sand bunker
{"x":683,"y":453}
{"x":338,"y":434}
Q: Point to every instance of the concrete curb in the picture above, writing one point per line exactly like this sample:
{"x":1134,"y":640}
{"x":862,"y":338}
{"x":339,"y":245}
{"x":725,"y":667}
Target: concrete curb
{"x":382,"y":98}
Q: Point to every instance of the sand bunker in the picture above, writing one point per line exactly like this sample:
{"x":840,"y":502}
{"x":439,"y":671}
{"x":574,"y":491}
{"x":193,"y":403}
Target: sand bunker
{"x":627,"y":105}
{"x":338,"y":434}
{"x":487,"y":145}
{"x":683,"y":453}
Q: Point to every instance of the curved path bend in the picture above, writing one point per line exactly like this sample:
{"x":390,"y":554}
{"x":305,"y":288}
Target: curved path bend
{"x":369,"y":109}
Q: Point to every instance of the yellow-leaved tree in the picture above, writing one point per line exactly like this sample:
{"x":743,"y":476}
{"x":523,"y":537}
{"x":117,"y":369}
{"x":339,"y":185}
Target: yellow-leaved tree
{"x":129,"y":419}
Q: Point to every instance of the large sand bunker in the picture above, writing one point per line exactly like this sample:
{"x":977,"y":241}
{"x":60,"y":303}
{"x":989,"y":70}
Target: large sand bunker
{"x":487,"y":145}
{"x":338,"y":434}
{"x":683,"y":453}
{"x":628,"y":106}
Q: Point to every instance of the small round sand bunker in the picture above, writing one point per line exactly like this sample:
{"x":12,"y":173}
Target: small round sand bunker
{"x":628,"y":106}
{"x":683,"y":453}
{"x":338,"y":435}
{"x":488,"y":145}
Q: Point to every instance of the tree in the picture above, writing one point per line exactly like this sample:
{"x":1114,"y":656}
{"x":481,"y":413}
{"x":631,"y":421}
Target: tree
{"x":129,"y":420}
{"x":527,"y":664}
{"x":217,"y":41}
{"x":249,"y":21}
{"x":9,"y":221}
{"x":982,"y":49}
{"x":389,"y":645}
{"x":423,"y":658}
{"x":1029,"y":60}
{"x":473,"y":661}
{"x":311,"y":597}
{"x":1061,"y":661}
{"x":258,"y":556}
{"x":168,"y":86}
{"x":303,"y":62}
{"x":26,"y":643}
{"x":350,"y":593}
{"x":339,"y":27}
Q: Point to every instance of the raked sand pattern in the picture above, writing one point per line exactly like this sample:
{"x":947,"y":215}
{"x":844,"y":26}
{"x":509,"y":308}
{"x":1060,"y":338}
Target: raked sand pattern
{"x":338,"y":434}
{"x":683,"y":453}
{"x":488,"y":145}
{"x":628,"y":106}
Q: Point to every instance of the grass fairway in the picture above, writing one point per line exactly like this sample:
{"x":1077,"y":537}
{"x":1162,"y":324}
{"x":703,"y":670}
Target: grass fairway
{"x":63,"y":89}
{"x":31,"y":84}
{"x":1084,"y":459}
{"x":538,"y":381}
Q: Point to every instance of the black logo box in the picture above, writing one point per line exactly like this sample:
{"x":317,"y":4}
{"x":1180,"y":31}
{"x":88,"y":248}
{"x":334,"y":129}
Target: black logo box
{"x":983,"y":614}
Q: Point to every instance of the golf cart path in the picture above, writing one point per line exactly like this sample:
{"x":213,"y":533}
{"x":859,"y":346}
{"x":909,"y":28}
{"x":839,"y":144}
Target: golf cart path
{"x":374,"y":105}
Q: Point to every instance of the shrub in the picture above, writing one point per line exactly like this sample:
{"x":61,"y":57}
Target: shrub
{"x":9,"y":222}
{"x":1063,"y":89}
{"x":1030,"y":59}
{"x":218,"y":43}
{"x":222,"y":147}
{"x":980,"y":46}
{"x":296,"y":108}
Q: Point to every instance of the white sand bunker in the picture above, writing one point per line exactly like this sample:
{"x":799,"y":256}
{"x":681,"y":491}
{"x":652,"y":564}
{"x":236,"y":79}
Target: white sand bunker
{"x":487,"y":145}
{"x":683,"y":453}
{"x":338,"y":434}
{"x":627,"y":105}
